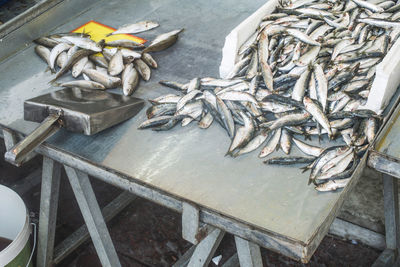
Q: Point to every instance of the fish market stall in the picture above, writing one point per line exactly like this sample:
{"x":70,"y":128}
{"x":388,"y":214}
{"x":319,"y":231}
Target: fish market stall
{"x":185,"y":168}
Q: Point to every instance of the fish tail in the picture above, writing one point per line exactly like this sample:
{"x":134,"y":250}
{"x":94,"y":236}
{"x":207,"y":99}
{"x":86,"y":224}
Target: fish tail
{"x":304,"y":169}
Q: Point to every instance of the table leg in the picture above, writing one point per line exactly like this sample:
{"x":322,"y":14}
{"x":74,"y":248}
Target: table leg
{"x":204,"y":250}
{"x":94,"y":220}
{"x":232,"y":261}
{"x":72,"y":242}
{"x":392,"y":233}
{"x":249,"y":253}
{"x":48,"y":211}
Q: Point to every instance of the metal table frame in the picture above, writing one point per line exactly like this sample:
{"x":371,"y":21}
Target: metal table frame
{"x":203,"y":228}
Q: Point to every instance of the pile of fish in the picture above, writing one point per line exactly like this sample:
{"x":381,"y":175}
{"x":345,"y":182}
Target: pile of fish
{"x":306,"y":71}
{"x":104,"y":65}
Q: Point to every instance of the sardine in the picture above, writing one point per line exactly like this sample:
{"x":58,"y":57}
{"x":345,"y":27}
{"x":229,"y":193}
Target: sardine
{"x":163,"y":41}
{"x":137,"y":27}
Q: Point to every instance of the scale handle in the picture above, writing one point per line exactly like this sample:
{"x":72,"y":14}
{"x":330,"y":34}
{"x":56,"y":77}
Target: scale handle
{"x":47,"y":128}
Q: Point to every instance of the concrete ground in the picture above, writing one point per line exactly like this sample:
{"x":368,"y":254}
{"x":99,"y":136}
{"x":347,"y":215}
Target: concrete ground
{"x":146,"y":234}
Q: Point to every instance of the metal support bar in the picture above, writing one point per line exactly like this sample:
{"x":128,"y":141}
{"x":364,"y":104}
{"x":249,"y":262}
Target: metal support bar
{"x":392,"y":233}
{"x":48,"y":211}
{"x":9,"y":139}
{"x":205,"y":250}
{"x":81,"y":235}
{"x":249,"y":253}
{"x":94,"y":220}
{"x":185,"y":258}
{"x":352,"y":231}
{"x":190,"y":222}
{"x":391,"y":201}
{"x":386,"y":258}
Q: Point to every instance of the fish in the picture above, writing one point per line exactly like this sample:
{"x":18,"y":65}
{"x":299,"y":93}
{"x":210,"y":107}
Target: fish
{"x":126,"y":43}
{"x":308,"y":149}
{"x":149,"y":60}
{"x":288,"y":160}
{"x":263,"y":58}
{"x":137,"y":27}
{"x":272,"y":145}
{"x":206,"y":121}
{"x":83,"y":84}
{"x":130,"y":81}
{"x":317,"y":113}
{"x":253,"y":144}
{"x":243,"y":134}
{"x":44,"y":53}
{"x":71,"y":61}
{"x":99,"y":61}
{"x":61,"y":59}
{"x":85,"y":43}
{"x":78,"y":67}
{"x":163,"y":41}
{"x":142,"y":68}
{"x":286,"y":141}
{"x":155,"y":122}
{"x":58,"y":49}
{"x":332,"y":185}
{"x":160,"y":109}
{"x":226,"y":117}
{"x":116,"y":64}
{"x":46,"y":41}
{"x":103,"y":78}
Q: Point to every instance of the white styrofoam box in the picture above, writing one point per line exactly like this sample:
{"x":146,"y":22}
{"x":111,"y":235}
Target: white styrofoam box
{"x":240,"y":34}
{"x":387,"y":80}
{"x":385,"y":84}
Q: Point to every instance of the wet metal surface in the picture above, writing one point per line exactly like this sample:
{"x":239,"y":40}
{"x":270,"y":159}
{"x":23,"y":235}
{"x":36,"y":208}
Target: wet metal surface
{"x":187,"y":162}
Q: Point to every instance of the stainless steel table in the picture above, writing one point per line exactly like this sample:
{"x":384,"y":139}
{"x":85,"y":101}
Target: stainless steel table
{"x":183,"y":169}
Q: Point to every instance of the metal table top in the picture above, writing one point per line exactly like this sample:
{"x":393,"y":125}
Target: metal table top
{"x":186,"y":162}
{"x":389,"y":143}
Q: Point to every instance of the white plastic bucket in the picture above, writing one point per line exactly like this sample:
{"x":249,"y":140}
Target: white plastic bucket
{"x":14,"y":225}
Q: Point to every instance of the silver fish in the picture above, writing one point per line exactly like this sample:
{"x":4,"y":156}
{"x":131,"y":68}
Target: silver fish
{"x":43,"y":52}
{"x":58,"y":49}
{"x":163,"y":41}
{"x":272,"y":144}
{"x":103,"y":78}
{"x":149,"y":60}
{"x":137,"y":27}
{"x":143,"y":69}
{"x":332,"y":185}
{"x":116,"y":64}
{"x":130,"y":82}
{"x":83,"y":84}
